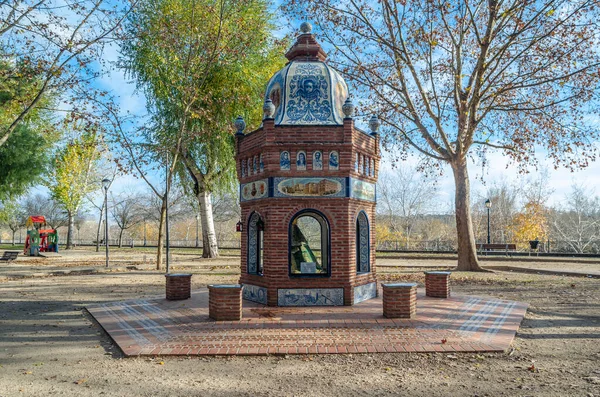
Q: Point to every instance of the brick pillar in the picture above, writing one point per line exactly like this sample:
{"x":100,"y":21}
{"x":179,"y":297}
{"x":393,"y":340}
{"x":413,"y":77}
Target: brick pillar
{"x":400,"y":300}
{"x":225,"y":302}
{"x":437,"y":284}
{"x":179,"y":286}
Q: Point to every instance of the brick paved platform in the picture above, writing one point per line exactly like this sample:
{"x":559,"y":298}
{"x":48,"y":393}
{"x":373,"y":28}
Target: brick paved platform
{"x":457,"y":324}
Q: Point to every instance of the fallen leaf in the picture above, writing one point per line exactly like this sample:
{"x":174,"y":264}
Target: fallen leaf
{"x":80,"y":381}
{"x":444,"y":341}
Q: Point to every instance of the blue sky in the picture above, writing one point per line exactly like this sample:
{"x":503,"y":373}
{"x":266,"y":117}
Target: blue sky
{"x":497,"y":170}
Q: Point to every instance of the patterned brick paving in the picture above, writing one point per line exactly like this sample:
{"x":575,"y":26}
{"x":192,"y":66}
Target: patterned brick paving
{"x":456,"y":324}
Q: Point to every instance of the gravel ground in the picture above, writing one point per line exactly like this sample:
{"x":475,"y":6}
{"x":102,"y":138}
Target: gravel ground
{"x":49,"y":345}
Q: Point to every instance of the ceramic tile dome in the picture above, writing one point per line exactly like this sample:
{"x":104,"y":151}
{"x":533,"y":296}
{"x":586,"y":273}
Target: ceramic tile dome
{"x":307,"y":91}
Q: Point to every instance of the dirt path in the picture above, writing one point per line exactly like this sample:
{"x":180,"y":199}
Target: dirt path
{"x":49,"y":346}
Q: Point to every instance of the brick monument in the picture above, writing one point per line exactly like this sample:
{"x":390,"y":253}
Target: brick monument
{"x":307,"y":189}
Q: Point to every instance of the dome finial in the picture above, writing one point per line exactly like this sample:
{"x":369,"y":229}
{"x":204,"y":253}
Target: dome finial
{"x":240,"y":125}
{"x":268,"y":109}
{"x":305,"y":27}
{"x":374,"y":124}
{"x":348,"y":108}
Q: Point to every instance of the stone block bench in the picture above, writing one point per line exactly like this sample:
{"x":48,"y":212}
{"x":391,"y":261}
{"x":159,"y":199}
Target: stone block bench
{"x":179,"y":286}
{"x":437,"y":284}
{"x":400,"y":300}
{"x":225,"y":302}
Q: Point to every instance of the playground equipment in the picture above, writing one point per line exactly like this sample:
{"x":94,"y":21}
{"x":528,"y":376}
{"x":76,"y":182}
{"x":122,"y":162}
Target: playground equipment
{"x":39,"y":239}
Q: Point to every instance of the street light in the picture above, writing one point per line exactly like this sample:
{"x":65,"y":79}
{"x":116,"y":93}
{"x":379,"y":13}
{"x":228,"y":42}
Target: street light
{"x":488,"y":205}
{"x":105,"y":186}
{"x":197,"y":229}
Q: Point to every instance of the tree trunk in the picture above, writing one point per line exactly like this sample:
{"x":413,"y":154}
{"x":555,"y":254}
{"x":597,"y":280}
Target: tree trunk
{"x":13,"y":237}
{"x":210,"y":248}
{"x":467,"y":253}
{"x":71,"y":225}
{"x":99,"y":228}
{"x":161,"y":224}
{"x":121,"y":238}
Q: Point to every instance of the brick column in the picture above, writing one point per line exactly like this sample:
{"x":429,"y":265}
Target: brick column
{"x":437,"y":284}
{"x":400,"y":300}
{"x":179,"y":286}
{"x":225,"y":302}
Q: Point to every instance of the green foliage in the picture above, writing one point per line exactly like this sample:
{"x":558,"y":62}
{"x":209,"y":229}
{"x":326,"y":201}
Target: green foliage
{"x":200,"y":64}
{"x":24,"y":158}
{"x":19,"y":84}
{"x":75,"y":174}
{"x":25,"y":155}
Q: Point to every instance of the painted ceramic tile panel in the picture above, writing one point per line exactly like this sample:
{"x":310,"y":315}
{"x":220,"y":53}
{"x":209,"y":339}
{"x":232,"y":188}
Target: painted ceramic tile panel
{"x":362,"y":190}
{"x":334,"y":160}
{"x":253,"y":243}
{"x":301,"y":160}
{"x":364,"y":292}
{"x":317,"y":160}
{"x":363,"y":243}
{"x":243,"y":168}
{"x":262,"y":164}
{"x":255,"y":293}
{"x":310,"y":297}
{"x":254,"y":190}
{"x":309,"y":187}
{"x":308,"y":95}
{"x":284,"y":161}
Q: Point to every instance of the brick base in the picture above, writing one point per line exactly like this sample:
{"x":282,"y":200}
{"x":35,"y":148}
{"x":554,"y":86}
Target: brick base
{"x":437,"y":284}
{"x":400,"y":300}
{"x":225,"y":302}
{"x":179,"y":286}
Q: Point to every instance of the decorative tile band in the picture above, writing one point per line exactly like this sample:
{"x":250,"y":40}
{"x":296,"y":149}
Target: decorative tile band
{"x":254,"y":190}
{"x":309,"y":187}
{"x":362,"y":190}
{"x":365,"y":292}
{"x":310,"y":297}
{"x":321,"y":187}
{"x":255,"y":293}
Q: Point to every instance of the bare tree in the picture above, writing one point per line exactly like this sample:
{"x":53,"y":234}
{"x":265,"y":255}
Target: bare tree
{"x":40,"y":204}
{"x":59,"y":41}
{"x":504,"y":200}
{"x":126,"y":212}
{"x":403,"y":196}
{"x":578,"y":221}
{"x":453,"y":80}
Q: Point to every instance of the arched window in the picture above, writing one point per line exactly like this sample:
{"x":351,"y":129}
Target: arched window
{"x":363,"y":254}
{"x":309,"y":244}
{"x":256,"y":226}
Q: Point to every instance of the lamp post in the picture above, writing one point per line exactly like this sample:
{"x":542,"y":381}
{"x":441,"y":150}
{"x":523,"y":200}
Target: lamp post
{"x":197,"y":229}
{"x":488,"y":205}
{"x":105,"y":185}
{"x":167,"y":186}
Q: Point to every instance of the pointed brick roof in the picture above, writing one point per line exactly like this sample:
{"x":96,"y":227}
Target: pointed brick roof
{"x":306,"y":48}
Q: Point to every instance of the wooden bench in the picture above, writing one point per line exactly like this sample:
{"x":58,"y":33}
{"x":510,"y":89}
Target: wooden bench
{"x":9,"y":256}
{"x":506,"y":248}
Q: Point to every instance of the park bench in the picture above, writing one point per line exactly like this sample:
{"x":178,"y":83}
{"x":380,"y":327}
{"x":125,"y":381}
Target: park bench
{"x":506,"y":248}
{"x":9,"y":256}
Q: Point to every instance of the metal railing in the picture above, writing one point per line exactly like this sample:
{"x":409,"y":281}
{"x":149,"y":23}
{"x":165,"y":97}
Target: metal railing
{"x":563,"y":247}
